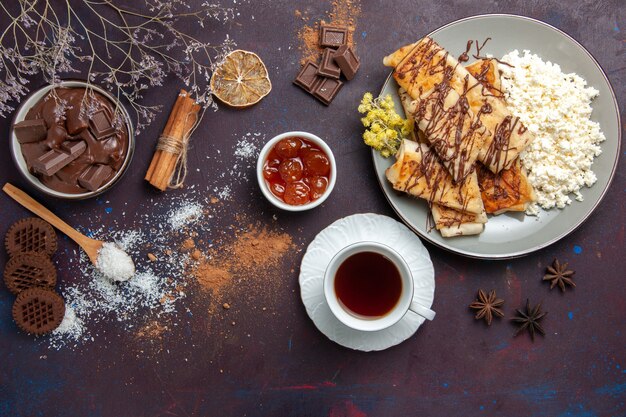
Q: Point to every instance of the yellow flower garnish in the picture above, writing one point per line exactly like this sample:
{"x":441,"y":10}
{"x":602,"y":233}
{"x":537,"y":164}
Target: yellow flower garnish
{"x":385,"y":128}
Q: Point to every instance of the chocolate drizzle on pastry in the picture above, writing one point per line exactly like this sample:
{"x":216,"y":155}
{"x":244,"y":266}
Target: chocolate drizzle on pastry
{"x":444,"y":114}
{"x":461,"y":112}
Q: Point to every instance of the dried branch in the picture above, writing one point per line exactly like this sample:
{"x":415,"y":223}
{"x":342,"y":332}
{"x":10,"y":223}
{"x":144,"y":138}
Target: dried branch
{"x":128,"y":51}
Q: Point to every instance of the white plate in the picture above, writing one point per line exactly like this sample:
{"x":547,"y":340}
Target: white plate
{"x":513,"y":235}
{"x":349,"y":230}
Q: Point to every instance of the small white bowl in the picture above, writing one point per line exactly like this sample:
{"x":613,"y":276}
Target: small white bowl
{"x":263,"y":183}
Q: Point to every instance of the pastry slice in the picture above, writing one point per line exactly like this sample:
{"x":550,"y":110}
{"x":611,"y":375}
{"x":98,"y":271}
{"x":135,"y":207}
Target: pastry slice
{"x":451,"y":222}
{"x":509,"y":130}
{"x":440,"y":111}
{"x":425,"y":66}
{"x":508,"y":190}
{"x":486,"y":73}
{"x":409,"y":106}
{"x":418,"y":172}
{"x":451,"y":129}
{"x":396,"y":57}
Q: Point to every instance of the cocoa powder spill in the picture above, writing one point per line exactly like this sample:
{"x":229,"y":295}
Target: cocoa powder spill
{"x":250,"y":257}
{"x":343,"y":13}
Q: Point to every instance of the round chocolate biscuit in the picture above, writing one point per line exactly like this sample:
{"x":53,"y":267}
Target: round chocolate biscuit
{"x":31,"y":234}
{"x":29,"y":270}
{"x":38,"y":310}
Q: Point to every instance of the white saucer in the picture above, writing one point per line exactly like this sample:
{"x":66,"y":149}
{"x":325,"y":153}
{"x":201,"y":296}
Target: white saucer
{"x":357,"y":228}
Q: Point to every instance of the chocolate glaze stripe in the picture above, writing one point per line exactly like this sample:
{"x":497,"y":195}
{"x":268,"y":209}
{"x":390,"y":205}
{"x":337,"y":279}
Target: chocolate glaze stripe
{"x":428,"y":57}
{"x":453,"y":131}
{"x":436,"y":176}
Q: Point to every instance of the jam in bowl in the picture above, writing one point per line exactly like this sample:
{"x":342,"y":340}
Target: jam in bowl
{"x":296,"y":171}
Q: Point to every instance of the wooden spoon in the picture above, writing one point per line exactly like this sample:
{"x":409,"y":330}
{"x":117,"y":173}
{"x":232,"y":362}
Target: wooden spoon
{"x":89,"y":245}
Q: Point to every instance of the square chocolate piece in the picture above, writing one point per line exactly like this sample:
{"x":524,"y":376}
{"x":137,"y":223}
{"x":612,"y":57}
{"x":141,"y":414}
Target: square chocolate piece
{"x":94,"y":176}
{"x":307,"y":77}
{"x":328,"y":67}
{"x":333,"y":36}
{"x":28,"y":131}
{"x":326,"y":90}
{"x":100,"y":125}
{"x":347,"y":60}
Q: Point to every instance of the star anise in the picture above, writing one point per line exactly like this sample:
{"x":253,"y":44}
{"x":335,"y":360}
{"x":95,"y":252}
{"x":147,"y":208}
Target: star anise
{"x":529,"y":320}
{"x":559,"y":274}
{"x":487,"y":306}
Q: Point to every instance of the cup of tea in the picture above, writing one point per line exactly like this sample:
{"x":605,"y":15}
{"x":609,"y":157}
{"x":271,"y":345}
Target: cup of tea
{"x":368,"y":286}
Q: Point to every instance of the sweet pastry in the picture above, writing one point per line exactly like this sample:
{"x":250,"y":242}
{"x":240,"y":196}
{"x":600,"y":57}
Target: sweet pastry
{"x":451,"y":222}
{"x":425,"y":68}
{"x":419,"y":172}
{"x":508,"y":190}
{"x":486,"y":72}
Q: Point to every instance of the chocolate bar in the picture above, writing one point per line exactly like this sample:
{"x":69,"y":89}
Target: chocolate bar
{"x":328,"y":67}
{"x":28,"y":131}
{"x":326,"y":90}
{"x":74,"y":148}
{"x":55,"y":159}
{"x":333,"y":36}
{"x":100,"y":125}
{"x":93,"y":177}
{"x":307,"y":77}
{"x":347,"y":61}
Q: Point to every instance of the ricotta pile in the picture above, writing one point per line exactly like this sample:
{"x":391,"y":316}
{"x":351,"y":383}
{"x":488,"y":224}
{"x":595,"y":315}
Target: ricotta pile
{"x":556,"y":108}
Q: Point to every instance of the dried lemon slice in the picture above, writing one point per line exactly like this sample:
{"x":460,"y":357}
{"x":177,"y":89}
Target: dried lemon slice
{"x":241,"y":79}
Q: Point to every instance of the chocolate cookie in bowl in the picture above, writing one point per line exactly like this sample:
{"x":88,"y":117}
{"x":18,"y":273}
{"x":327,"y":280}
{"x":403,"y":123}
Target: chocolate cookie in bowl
{"x":72,"y":140}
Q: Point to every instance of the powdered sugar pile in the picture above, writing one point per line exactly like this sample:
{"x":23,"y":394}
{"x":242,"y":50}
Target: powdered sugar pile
{"x":223,"y":193}
{"x":243,"y":168}
{"x":182,"y":215}
{"x":114,"y":263}
{"x":246,"y":148}
{"x":246,"y":151}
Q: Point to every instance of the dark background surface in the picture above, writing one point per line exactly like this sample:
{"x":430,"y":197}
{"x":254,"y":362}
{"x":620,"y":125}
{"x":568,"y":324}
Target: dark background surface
{"x":279,"y":364}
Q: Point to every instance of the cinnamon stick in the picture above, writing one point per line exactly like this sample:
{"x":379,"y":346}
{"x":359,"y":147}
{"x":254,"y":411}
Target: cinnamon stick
{"x":181,"y":120}
{"x":168,"y":128}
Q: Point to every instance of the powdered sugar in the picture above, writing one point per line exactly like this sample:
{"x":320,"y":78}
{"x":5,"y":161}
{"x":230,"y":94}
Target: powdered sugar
{"x":246,"y":148}
{"x":241,"y":167}
{"x":245,"y":152}
{"x":114,"y":263}
{"x":223,"y":193}
{"x":71,"y":330}
{"x":151,"y":293}
{"x":184,"y":214}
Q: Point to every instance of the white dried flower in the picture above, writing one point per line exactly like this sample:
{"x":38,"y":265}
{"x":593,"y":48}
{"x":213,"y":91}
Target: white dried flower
{"x":126,"y":56}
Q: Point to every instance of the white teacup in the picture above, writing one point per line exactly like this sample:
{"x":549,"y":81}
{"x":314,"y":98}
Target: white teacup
{"x":405,"y":301}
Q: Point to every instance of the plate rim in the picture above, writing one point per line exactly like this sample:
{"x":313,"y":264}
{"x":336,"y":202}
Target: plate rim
{"x":521,"y":253}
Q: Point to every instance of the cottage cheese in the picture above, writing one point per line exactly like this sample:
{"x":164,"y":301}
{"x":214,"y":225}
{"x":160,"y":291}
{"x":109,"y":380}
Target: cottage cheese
{"x":556,"y":108}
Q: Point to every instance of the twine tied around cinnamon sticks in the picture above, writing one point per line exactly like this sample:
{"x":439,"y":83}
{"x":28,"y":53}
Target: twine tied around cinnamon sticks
{"x":168,"y":167}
